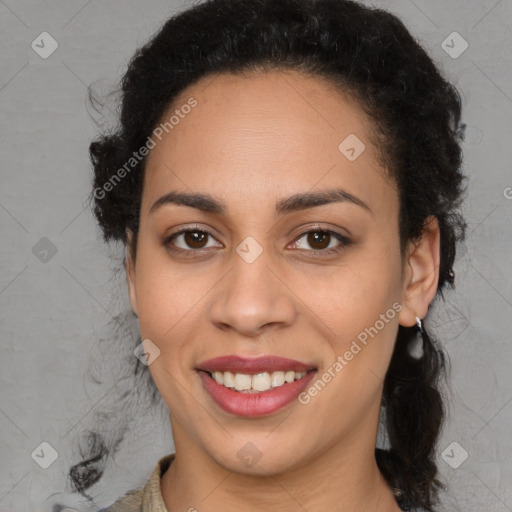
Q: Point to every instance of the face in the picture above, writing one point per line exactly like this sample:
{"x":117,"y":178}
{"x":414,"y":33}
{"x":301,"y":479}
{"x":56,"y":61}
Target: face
{"x":291,"y":252}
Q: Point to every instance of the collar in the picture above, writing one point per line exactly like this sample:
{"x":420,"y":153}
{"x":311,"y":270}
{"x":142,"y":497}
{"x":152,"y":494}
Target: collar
{"x":152,"y":500}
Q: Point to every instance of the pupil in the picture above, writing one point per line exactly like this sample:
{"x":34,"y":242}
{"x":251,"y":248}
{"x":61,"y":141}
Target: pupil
{"x":194,"y":238}
{"x":318,"y":237}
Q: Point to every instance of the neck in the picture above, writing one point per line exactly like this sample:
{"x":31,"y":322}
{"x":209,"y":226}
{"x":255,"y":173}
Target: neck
{"x":344,"y":478}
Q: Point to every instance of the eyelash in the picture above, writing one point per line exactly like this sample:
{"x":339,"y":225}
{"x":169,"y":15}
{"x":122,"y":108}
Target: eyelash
{"x":345,"y":242}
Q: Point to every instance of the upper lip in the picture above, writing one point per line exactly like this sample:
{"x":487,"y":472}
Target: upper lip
{"x":238,"y":364}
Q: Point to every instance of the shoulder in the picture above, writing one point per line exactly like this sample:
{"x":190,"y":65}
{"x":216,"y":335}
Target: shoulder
{"x":130,"y":502}
{"x":147,"y":498}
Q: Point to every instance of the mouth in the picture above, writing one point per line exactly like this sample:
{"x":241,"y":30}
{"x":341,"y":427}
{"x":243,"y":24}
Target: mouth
{"x":254,"y":387}
{"x":256,"y":383}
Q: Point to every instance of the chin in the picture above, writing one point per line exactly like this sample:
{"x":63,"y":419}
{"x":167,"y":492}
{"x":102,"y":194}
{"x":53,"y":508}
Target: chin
{"x":258,"y":457}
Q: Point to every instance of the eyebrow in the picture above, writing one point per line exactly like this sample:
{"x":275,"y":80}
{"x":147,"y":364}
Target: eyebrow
{"x":296,"y":202}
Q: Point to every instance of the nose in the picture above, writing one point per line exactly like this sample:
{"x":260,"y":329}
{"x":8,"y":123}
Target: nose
{"x":252,"y":298}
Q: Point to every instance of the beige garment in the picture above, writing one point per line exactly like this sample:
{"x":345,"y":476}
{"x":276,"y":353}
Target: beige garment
{"x":147,"y":499}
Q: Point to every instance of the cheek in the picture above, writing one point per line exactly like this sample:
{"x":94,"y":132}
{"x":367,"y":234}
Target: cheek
{"x":358,"y":312}
{"x":362,"y":327}
{"x":352,"y":297}
{"x":168,"y":311}
{"x":165,"y":300}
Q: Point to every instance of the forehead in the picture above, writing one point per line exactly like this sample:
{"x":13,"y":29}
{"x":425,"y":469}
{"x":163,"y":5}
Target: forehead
{"x":284,"y":128}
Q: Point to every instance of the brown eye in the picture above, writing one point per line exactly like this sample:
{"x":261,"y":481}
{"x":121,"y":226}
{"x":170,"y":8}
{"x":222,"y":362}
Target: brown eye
{"x":195,"y":239}
{"x":318,"y":239}
{"x":321,"y":242}
{"x":189,"y":240}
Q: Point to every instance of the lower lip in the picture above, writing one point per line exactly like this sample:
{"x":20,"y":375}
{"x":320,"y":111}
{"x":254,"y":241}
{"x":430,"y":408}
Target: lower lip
{"x":252,"y":405}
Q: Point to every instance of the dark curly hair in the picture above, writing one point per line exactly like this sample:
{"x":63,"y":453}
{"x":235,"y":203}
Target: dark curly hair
{"x":368,"y":54}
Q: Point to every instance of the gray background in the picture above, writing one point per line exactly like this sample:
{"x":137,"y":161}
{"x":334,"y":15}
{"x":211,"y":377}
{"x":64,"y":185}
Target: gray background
{"x":55,"y":308}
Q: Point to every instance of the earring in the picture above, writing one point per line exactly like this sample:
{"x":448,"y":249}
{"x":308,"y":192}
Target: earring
{"x":416,"y":344}
{"x":419,"y":324}
{"x":450,"y":276}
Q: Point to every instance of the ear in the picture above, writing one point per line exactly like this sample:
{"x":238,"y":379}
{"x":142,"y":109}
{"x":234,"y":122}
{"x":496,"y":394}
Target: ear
{"x":421,"y":274}
{"x":129,"y":266}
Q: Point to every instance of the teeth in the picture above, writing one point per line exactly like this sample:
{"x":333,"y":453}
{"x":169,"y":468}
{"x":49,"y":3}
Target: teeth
{"x":289,"y":376}
{"x":277,"y":379}
{"x":228,"y":379}
{"x":242,"y":381}
{"x":246,"y":383}
{"x":219,"y":377}
{"x":261,"y":382}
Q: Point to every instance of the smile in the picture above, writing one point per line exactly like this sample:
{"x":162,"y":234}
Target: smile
{"x":256,"y":386}
{"x":246,"y":383}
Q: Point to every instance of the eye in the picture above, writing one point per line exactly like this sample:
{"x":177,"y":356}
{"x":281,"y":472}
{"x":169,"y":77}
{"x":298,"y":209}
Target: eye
{"x":189,"y":240}
{"x":322,"y":241}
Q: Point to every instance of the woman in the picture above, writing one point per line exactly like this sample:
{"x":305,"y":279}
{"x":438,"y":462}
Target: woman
{"x":286,"y":177}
